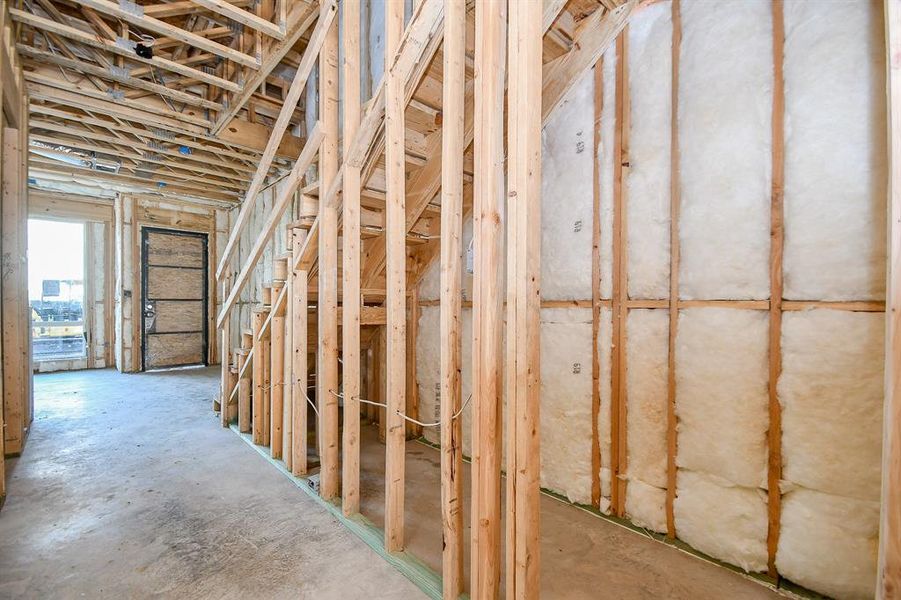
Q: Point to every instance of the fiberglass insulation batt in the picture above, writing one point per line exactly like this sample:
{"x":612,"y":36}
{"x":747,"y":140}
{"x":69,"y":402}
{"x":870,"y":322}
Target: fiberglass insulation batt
{"x":648,"y":178}
{"x":721,"y":406}
{"x":725,"y":115}
{"x":646,"y":397}
{"x":831,"y":391}
{"x":835,"y":169}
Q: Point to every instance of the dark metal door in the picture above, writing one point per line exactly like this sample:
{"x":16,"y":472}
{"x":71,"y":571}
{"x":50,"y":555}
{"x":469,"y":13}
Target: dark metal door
{"x":174,"y":298}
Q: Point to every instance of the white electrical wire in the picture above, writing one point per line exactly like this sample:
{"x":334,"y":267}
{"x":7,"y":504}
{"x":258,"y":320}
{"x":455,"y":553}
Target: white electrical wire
{"x":405,"y":417}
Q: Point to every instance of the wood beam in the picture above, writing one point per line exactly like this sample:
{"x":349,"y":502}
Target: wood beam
{"x":157,"y":26}
{"x":272,"y":221}
{"x":777,"y":236}
{"x":278,"y":130}
{"x":454,"y":81}
{"x":273,"y":58}
{"x":239,"y":15}
{"x":487,"y":314}
{"x":888,"y":585}
{"x":395,"y":234}
{"x":350,"y":347}
{"x":523,"y":380}
{"x":299,"y":367}
{"x":675,"y":255}
{"x":92,"y":41}
{"x":327,"y":375}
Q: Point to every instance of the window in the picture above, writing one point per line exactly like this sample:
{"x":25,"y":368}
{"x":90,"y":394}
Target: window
{"x":56,"y":289}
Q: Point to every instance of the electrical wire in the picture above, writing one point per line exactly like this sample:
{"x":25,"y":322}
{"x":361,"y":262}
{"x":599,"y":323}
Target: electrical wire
{"x":405,"y":417}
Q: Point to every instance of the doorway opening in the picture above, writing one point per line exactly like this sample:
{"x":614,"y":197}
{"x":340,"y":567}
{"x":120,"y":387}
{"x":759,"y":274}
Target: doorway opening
{"x":56,"y":289}
{"x":173,"y":298}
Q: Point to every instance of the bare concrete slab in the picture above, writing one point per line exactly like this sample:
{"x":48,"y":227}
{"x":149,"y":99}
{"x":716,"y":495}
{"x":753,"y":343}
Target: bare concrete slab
{"x":129,"y":488}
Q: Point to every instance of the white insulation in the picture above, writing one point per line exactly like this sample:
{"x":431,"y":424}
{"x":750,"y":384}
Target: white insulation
{"x":648,"y":178}
{"x":835,"y":168}
{"x":646,"y":385}
{"x":831,"y":391}
{"x":831,"y":384}
{"x":725,"y":106}
{"x":567,"y":195}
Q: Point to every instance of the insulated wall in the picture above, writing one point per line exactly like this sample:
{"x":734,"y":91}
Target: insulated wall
{"x":685,"y":202}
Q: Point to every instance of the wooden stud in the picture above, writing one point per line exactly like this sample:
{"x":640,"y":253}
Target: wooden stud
{"x":281,"y":203}
{"x":414,"y":430}
{"x":487,"y":314}
{"x":620,"y":283}
{"x":454,"y":80}
{"x":523,"y":379}
{"x":244,"y":385}
{"x":257,"y":320}
{"x":675,"y":208}
{"x":15,"y":355}
{"x":299,"y":368}
{"x":266,"y":355}
{"x":288,"y":362}
{"x":327,"y":303}
{"x":395,"y":228}
{"x":596,"y":301}
{"x":774,"y":434}
{"x":225,"y":340}
{"x":889,"y":579}
{"x":350,"y":473}
{"x":276,"y":383}
{"x":320,"y":38}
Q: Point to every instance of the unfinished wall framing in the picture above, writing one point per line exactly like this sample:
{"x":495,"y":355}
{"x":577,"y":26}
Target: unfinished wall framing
{"x":796,"y":378}
{"x":701,"y":333}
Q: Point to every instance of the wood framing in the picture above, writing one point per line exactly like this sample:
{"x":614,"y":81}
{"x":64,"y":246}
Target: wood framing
{"x":777,"y":227}
{"x":327,"y":302}
{"x":596,"y":301}
{"x":618,"y":446}
{"x":350,"y":317}
{"x":322,"y":31}
{"x":889,"y":579}
{"x":523,"y":380}
{"x":487,"y":314}
{"x":675,"y":207}
{"x":451,"y":312}
{"x":276,"y":383}
{"x":257,"y":377}
{"x":281,"y":203}
{"x":299,"y":368}
{"x":395,"y":236}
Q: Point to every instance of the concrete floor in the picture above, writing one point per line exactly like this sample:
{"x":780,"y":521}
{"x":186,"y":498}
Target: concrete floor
{"x":129,"y":488}
{"x":582,"y":555}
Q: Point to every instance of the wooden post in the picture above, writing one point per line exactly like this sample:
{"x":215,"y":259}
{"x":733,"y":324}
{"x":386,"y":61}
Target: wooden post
{"x":774,"y":434}
{"x":378,"y":353}
{"x":618,"y":405}
{"x":266,"y":354}
{"x":288,"y":363}
{"x":243,"y":394}
{"x":523,"y":381}
{"x":596,"y":289}
{"x":412,"y":409}
{"x":487,"y":312}
{"x":350,"y":473}
{"x":327,"y":303}
{"x":15,"y":354}
{"x":395,"y":234}
{"x":224,"y":357}
{"x":889,"y":580}
{"x":277,"y":373}
{"x":299,"y":366}
{"x":257,"y":375}
{"x":452,"y":147}
{"x":675,"y":209}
